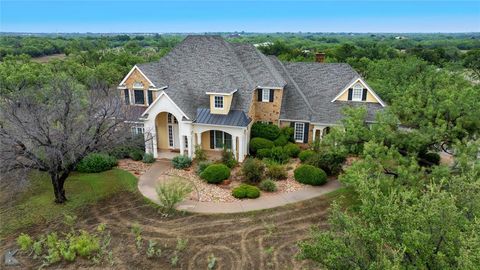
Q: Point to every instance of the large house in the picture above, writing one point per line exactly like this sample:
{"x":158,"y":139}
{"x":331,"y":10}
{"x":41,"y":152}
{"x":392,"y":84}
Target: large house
{"x":208,"y":92}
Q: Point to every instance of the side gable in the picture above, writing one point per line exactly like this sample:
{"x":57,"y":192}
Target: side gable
{"x":136,"y":75}
{"x":372,"y":97}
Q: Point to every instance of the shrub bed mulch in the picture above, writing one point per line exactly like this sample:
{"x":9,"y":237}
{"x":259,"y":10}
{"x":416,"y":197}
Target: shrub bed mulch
{"x":137,"y":168}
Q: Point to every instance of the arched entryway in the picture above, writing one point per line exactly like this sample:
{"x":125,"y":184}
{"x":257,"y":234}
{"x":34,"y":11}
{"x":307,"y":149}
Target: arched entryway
{"x":167,"y":133}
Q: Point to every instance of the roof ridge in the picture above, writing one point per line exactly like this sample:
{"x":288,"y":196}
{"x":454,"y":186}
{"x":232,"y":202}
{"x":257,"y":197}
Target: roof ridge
{"x":264,"y":59}
{"x":295,"y":85}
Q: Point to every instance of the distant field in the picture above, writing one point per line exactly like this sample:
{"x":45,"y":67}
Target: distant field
{"x":48,"y":58}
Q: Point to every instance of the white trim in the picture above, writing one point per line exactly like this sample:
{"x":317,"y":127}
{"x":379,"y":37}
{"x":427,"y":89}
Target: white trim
{"x":156,"y":100}
{"x":368,"y":89}
{"x":224,"y":126}
{"x":130,"y":73}
{"x":221,"y":94}
{"x":270,"y":87}
{"x":295,"y":132}
{"x":357,"y":87}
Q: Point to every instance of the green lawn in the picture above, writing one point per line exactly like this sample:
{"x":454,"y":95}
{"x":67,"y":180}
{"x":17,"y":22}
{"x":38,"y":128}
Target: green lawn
{"x":36,"y":205}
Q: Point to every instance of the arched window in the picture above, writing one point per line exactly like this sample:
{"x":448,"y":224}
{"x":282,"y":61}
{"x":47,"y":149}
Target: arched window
{"x":138,"y":85}
{"x":357,"y":92}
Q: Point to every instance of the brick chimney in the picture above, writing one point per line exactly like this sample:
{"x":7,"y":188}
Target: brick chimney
{"x":320,"y":57}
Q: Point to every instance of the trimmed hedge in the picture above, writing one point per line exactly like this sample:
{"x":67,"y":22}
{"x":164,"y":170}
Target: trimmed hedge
{"x":246,"y":191}
{"x":264,"y":153}
{"x":282,"y":140}
{"x":266,"y":131}
{"x":292,"y":150}
{"x":95,"y":163}
{"x":181,"y":162}
{"x":136,"y":154}
{"x":260,"y":143}
{"x":279,"y":154}
{"x":268,"y":185}
{"x":330,"y":162}
{"x":310,"y":175}
{"x":306,"y":154}
{"x":148,"y":158}
{"x":202,"y":165}
{"x":215,"y":173}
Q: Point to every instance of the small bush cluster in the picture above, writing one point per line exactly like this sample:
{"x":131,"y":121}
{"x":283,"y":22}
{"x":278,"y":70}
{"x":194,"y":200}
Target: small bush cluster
{"x":268,"y":185}
{"x":202,"y":165}
{"x":246,"y":191}
{"x":277,"y":172}
{"x":215,"y":173}
{"x":52,"y":248}
{"x":253,"y":169}
{"x":124,"y":151}
{"x":181,"y":162}
{"x":228,"y":159}
{"x":136,"y":154}
{"x":200,"y":154}
{"x":266,"y":131}
{"x":95,"y":163}
{"x":310,"y":175}
{"x":330,"y":162}
{"x":260,"y":143}
{"x":292,"y":150}
{"x":306,"y":154}
{"x":264,"y":153}
{"x":148,"y":158}
{"x":279,"y":155}
{"x":282,"y":140}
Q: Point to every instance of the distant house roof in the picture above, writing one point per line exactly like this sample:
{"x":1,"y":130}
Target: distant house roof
{"x":235,"y":118}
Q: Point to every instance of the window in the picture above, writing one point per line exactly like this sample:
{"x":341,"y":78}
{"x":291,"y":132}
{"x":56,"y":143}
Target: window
{"x":266,"y":95}
{"x":139,"y":97}
{"x":138,"y":85}
{"x":186,"y":142}
{"x":137,"y":130}
{"x":150,"y":97}
{"x":357,"y":92}
{"x":171,"y":119}
{"x":170,"y":135}
{"x":222,"y":139}
{"x":299,"y":132}
{"x":127,"y":96}
{"x":218,"y":102}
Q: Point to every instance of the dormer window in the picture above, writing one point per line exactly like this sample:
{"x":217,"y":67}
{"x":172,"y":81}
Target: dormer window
{"x":138,"y":85}
{"x":218,"y":102}
{"x":266,"y":95}
{"x":357,"y":92}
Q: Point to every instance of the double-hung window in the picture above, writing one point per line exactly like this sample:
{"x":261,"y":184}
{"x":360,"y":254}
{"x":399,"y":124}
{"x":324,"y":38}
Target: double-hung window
{"x":150,"y":97}
{"x":139,"y":97}
{"x":127,"y":96}
{"x":218,"y":102}
{"x":137,"y":130}
{"x":266,"y":95}
{"x":357,"y":92}
{"x":299,"y":132}
{"x":222,"y":139}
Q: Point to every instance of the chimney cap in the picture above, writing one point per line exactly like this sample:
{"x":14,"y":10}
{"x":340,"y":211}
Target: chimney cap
{"x":320,"y":57}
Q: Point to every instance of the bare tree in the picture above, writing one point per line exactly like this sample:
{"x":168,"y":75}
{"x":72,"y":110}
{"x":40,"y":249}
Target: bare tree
{"x":52,"y":127}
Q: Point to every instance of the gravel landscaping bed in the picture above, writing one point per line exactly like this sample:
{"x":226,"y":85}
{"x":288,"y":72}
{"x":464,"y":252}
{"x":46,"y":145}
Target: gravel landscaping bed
{"x":137,"y":168}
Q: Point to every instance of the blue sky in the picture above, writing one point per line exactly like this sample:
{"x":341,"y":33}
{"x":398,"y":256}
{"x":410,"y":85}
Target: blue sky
{"x":251,"y":16}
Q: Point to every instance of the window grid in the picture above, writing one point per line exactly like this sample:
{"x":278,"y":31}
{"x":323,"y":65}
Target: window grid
{"x":357,"y":92}
{"x":139,"y":97}
{"x":266,"y":95}
{"x":218,"y":102}
{"x":299,"y":132}
{"x":170,"y":135}
{"x":171,"y":119}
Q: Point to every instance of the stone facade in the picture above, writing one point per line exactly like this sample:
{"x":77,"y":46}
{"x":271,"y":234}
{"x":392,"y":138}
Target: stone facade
{"x":266,"y":111}
{"x":134,"y":77}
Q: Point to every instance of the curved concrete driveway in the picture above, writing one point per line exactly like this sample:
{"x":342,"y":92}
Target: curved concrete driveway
{"x":148,"y":181}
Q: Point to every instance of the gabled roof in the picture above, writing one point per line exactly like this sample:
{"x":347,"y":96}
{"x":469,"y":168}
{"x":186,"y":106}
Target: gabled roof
{"x":311,"y":88}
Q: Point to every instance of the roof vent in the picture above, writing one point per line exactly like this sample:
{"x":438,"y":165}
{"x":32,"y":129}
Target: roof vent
{"x":320,"y":57}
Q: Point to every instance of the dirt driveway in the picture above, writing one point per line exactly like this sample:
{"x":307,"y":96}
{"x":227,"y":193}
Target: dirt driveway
{"x":256,"y":240}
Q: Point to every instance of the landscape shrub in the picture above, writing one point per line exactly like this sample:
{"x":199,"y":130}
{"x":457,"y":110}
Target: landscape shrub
{"x":268,"y":185}
{"x":172,"y":192}
{"x":136,"y":154}
{"x":276,"y":171}
{"x":310,"y":175}
{"x":85,"y":244}
{"x":148,"y":158}
{"x":95,"y":163}
{"x":330,"y":162}
{"x":215,"y":173}
{"x":264,"y":153}
{"x":305,"y":154}
{"x":246,"y":191}
{"x":292,"y":150}
{"x":260,"y":143}
{"x":429,"y":159}
{"x":282,"y":140}
{"x":252,"y":170}
{"x":288,"y":133}
{"x":202,"y":166}
{"x":228,"y":159}
{"x":200,"y":154}
{"x":181,"y":162}
{"x":279,"y":155}
{"x":266,"y":131}
{"x":25,"y":242}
